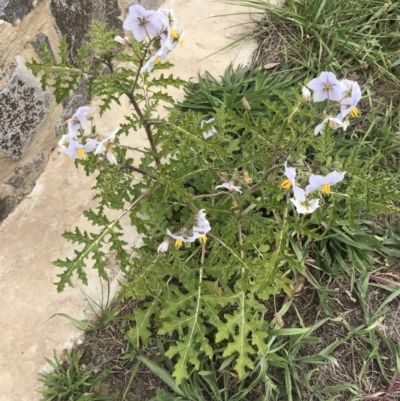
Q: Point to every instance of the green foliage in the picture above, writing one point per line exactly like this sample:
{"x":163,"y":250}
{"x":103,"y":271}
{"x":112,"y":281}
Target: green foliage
{"x":255,"y":84}
{"x":211,"y":381}
{"x":61,"y":76}
{"x":93,"y":245}
{"x":211,"y":299}
{"x":101,"y":41}
{"x":220,"y":301}
{"x":69,"y":381}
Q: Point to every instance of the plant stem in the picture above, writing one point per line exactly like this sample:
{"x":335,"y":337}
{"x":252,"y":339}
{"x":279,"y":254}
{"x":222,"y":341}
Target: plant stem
{"x":135,"y":149}
{"x":383,"y":280}
{"x":203,"y":252}
{"x":146,"y":126}
{"x":135,"y":104}
{"x":240,"y":237}
{"x":210,"y":195}
{"x":137,"y":170}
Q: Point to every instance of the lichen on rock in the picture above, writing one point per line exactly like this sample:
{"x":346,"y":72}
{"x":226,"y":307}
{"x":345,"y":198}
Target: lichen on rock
{"x":23,"y":107}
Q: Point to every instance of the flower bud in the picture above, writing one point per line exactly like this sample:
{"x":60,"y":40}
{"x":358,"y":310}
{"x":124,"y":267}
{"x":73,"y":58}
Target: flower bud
{"x":246,"y":104}
{"x":306,"y":94}
{"x":123,"y":41}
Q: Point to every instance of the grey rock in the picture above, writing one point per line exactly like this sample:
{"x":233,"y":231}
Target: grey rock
{"x":12,"y":10}
{"x":147,"y":4}
{"x":73,"y":17}
{"x":40,"y":40}
{"x":25,"y":175}
{"x":151,"y":4}
{"x":23,"y":107}
{"x":7,"y":205}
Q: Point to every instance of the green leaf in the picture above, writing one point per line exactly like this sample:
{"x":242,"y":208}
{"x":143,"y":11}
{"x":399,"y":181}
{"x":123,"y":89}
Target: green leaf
{"x":62,"y":77}
{"x":161,"y":373}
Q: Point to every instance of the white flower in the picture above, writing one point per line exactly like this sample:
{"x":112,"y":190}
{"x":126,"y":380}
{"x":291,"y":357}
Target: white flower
{"x":351,"y":97}
{"x":229,"y":186}
{"x":302,"y":204}
{"x":156,"y":58}
{"x":326,"y":86}
{"x":142,"y":22}
{"x":200,"y":234}
{"x":179,"y":240}
{"x":111,"y":157}
{"x":290,"y":173}
{"x":345,"y":121}
{"x":78,"y":151}
{"x":123,"y":41}
{"x":351,"y":92}
{"x":324,"y":183}
{"x":175,"y":36}
{"x":201,"y":219}
{"x":167,"y":17}
{"x":64,"y":141}
{"x":163,"y":247}
{"x":306,"y":94}
{"x":201,"y":229}
{"x":105,"y":143}
{"x":211,"y":131}
{"x":333,"y":122}
{"x":77,"y":121}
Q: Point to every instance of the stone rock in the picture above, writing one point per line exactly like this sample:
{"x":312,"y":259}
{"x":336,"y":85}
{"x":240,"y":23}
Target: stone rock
{"x":7,"y":205}
{"x":73,"y":17}
{"x":37,"y":44}
{"x":23,"y":107}
{"x":147,"y":4}
{"x":151,"y":4}
{"x":13,"y":10}
{"x":25,"y":175}
{"x":20,"y":183}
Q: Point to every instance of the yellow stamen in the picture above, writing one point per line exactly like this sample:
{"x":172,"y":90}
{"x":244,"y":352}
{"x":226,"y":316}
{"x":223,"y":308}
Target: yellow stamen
{"x":354,"y":112}
{"x":81,"y":153}
{"x":106,"y":144}
{"x":157,"y":60}
{"x":230,"y":189}
{"x":326,"y":189}
{"x":202,"y":239}
{"x":174,"y":33}
{"x":286,"y":184}
{"x":330,"y":123}
{"x":178,"y":243}
{"x":182,"y":42}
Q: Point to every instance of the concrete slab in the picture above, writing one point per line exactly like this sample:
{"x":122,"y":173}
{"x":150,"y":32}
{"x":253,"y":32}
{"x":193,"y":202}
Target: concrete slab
{"x":31,"y":239}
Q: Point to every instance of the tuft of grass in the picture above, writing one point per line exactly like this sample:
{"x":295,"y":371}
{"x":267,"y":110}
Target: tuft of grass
{"x":341,"y":34}
{"x":72,"y":381}
{"x":103,"y":312}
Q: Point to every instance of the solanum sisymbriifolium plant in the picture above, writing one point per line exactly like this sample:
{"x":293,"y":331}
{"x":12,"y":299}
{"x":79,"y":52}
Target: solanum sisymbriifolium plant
{"x":230,"y":206}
